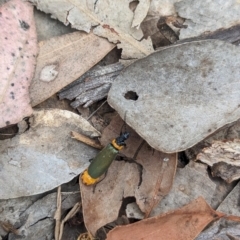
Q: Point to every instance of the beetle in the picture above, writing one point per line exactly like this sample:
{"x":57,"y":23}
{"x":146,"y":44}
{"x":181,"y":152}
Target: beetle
{"x":103,"y":160}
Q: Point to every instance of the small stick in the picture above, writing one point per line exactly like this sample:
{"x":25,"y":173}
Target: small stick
{"x":57,"y":215}
{"x":72,"y":213}
{"x":86,"y":140}
{"x":96,"y":110}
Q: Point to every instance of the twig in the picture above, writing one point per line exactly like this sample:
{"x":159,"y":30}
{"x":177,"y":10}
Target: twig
{"x":73,"y":211}
{"x":96,"y":110}
{"x":57,"y":215}
{"x":89,"y":141}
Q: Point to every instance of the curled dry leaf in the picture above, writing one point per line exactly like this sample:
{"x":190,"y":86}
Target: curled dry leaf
{"x":148,"y":179}
{"x":111,"y":19}
{"x":182,"y":224}
{"x":18,"y":53}
{"x":62,"y":60}
{"x":45,"y":156}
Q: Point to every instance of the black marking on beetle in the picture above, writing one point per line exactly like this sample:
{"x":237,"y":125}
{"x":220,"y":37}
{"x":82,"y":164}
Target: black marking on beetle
{"x":24,"y":25}
{"x":13,"y":54}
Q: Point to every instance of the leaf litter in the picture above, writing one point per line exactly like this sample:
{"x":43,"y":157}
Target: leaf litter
{"x":148,"y":205}
{"x":74,"y":52}
{"x":45,"y":156}
{"x":148,"y":180}
{"x":110,"y":19}
{"x":182,"y":224}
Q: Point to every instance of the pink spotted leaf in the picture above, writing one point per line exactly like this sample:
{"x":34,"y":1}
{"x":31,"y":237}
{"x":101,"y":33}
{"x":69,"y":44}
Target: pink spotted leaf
{"x":18,"y":51}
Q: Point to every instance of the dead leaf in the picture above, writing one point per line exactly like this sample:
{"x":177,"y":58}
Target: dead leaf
{"x":123,"y":179}
{"x":140,"y":13}
{"x":18,"y":58}
{"x":221,"y":230}
{"x":189,"y":183}
{"x":111,"y":19}
{"x":162,"y":8}
{"x":202,"y":17}
{"x":33,"y":215}
{"x":175,"y":90}
{"x":62,"y":60}
{"x":45,"y":156}
{"x":182,"y":224}
{"x":230,"y":204}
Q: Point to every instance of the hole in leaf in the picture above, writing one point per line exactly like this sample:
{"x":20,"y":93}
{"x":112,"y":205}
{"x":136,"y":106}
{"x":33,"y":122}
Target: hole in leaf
{"x":131,"y":95}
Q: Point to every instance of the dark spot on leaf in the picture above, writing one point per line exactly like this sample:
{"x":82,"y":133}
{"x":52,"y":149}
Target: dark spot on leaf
{"x":19,"y":48}
{"x":23,"y":87}
{"x":13,"y":54}
{"x":8,"y":68}
{"x":6,"y":17}
{"x":12,"y":84}
{"x":34,"y":55}
{"x":12,"y":93}
{"x":27,"y":42}
{"x":27,"y":56}
{"x":22,"y":56}
{"x":0,"y":14}
{"x":6,"y":38}
{"x":7,"y":123}
{"x":209,"y":130}
{"x":171,"y":126}
{"x":27,"y":78}
{"x":215,"y":89}
{"x":25,"y":26}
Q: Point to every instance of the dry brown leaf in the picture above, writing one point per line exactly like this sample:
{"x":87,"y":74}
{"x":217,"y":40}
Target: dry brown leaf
{"x":63,"y":59}
{"x":182,"y":224}
{"x":123,"y":178}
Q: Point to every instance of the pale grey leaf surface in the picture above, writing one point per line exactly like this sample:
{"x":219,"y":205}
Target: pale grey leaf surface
{"x":109,"y":19}
{"x":207,"y":16}
{"x":185,"y":93}
{"x":45,"y":156}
